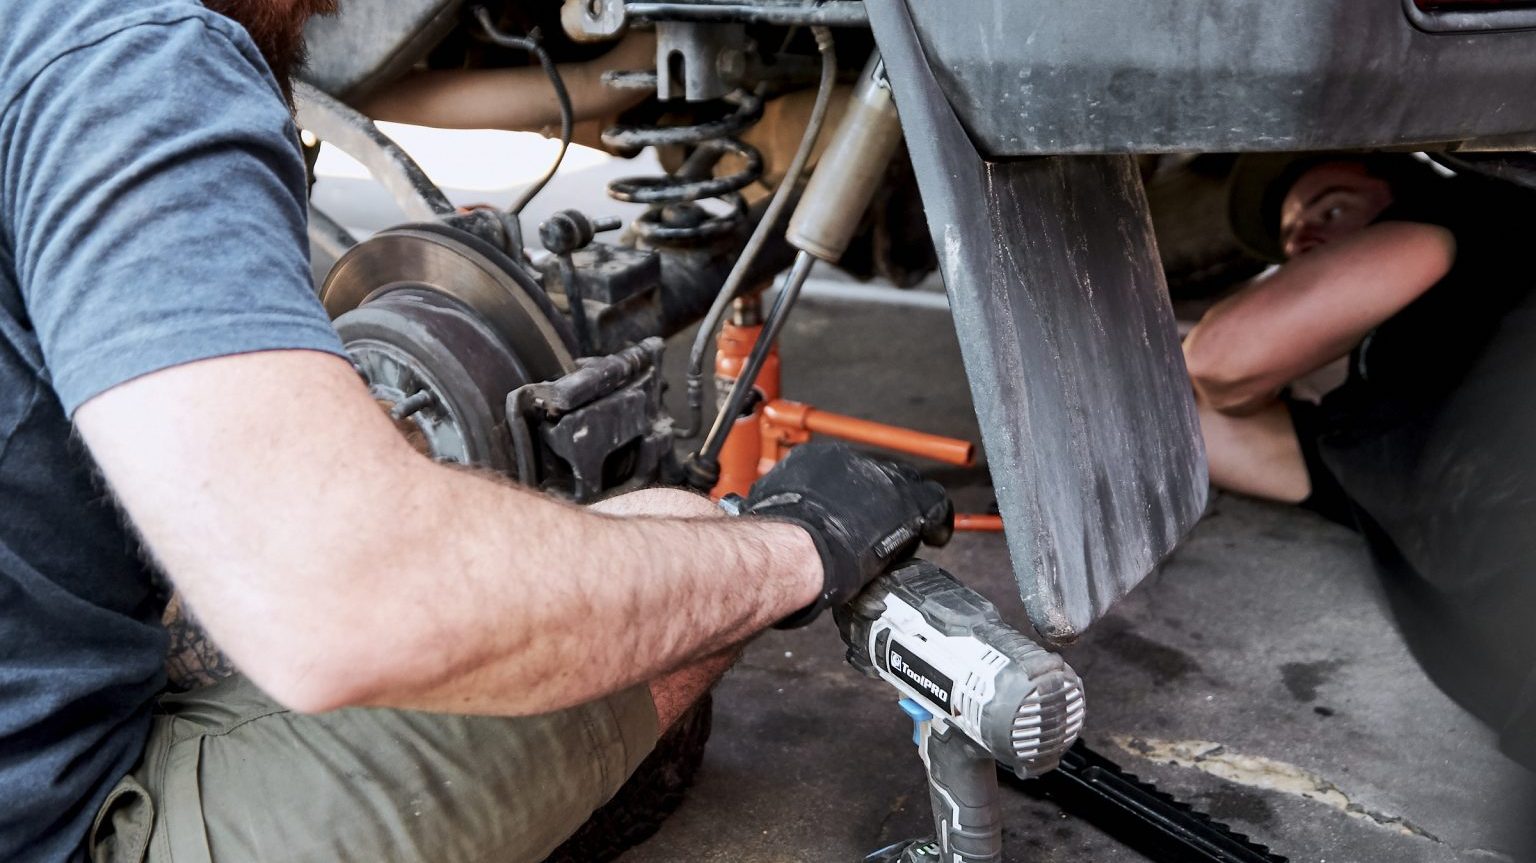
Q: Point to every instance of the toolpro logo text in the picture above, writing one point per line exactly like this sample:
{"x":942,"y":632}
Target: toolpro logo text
{"x":923,"y":677}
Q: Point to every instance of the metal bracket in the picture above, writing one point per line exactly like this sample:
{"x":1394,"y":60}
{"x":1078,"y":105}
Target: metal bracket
{"x":601,"y":20}
{"x":598,"y":428}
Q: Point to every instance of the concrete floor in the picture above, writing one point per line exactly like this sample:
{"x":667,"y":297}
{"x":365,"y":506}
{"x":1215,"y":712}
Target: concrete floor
{"x":1257,"y":676}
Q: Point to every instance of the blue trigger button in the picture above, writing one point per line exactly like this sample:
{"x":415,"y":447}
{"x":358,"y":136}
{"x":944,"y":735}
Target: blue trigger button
{"x":918,"y":714}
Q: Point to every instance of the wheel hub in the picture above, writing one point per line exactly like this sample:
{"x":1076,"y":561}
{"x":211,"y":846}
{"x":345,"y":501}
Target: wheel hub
{"x":442,"y":326}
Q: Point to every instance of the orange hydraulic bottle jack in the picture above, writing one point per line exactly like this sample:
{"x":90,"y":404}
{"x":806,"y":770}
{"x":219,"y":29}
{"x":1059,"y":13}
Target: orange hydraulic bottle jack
{"x":766,"y":433}
{"x":742,"y":452}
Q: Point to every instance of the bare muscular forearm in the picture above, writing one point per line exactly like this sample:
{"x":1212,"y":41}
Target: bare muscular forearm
{"x":614,"y":652}
{"x":194,"y":661}
{"x":587,"y":642}
{"x":591,"y":603}
{"x":336,"y":566}
{"x":551,"y":605}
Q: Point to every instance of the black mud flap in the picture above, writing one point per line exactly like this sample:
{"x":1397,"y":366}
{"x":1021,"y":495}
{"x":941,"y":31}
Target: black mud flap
{"x":1070,"y":346}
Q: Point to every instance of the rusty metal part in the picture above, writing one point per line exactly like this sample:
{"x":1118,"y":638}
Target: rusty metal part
{"x":611,"y":274}
{"x":749,"y":107}
{"x":442,"y":327}
{"x":408,"y":429}
{"x":594,"y":378}
{"x":517,"y":98}
{"x":472,"y":360}
{"x":850,"y":171}
{"x":678,"y":189}
{"x":600,"y":427}
{"x":467,"y":269}
{"x":633,"y":293}
{"x":412,"y":404}
{"x":443,"y":371}
{"x":673,"y":218}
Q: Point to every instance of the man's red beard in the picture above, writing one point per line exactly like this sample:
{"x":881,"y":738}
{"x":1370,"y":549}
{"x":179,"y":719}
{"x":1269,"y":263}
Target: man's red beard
{"x":277,"y":28}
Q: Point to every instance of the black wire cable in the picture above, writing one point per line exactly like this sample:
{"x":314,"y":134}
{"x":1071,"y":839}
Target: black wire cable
{"x":530,"y":43}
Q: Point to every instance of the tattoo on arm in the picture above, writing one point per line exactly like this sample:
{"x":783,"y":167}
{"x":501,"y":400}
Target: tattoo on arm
{"x":193,"y":660}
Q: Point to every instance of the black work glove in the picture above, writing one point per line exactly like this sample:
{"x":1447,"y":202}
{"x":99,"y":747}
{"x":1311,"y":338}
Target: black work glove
{"x":864,"y":515}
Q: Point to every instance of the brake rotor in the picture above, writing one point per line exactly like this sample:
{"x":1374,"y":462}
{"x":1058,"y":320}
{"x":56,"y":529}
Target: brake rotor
{"x":442,"y":326}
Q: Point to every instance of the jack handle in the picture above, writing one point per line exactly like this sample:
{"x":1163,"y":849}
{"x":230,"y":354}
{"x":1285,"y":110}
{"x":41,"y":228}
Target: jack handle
{"x":797,"y":416}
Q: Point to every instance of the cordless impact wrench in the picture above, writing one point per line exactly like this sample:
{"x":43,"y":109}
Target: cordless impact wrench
{"x":979,"y":692}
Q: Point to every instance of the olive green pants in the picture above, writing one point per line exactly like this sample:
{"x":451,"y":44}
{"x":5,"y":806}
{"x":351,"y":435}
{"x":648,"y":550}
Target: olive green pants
{"x":230,"y":776}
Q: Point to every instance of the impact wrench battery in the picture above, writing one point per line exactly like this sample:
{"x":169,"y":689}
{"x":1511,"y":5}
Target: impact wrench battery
{"x":979,"y":692}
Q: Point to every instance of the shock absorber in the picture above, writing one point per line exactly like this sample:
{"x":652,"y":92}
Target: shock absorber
{"x":822,"y":226}
{"x":674,"y":216}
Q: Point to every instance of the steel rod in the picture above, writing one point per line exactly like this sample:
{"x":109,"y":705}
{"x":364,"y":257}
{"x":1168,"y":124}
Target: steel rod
{"x":838,"y":13}
{"x":709,"y":451}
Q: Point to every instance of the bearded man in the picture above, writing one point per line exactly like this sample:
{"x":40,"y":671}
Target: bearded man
{"x":171,"y":391}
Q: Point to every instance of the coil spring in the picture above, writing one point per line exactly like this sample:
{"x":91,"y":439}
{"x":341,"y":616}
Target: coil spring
{"x":674,"y":216}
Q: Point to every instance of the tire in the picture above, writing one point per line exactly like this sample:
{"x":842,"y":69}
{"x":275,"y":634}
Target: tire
{"x":654,"y":792}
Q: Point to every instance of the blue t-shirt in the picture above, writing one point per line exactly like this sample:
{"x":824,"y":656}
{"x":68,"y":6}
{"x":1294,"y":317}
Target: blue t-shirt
{"x":151,"y":213}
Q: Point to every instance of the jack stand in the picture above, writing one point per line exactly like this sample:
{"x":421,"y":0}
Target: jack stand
{"x":765,"y":433}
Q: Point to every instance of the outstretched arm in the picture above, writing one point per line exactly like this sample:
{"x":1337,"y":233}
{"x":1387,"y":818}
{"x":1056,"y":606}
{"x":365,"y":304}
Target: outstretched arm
{"x":192,"y":660}
{"x":336,"y":566}
{"x":1311,"y":311}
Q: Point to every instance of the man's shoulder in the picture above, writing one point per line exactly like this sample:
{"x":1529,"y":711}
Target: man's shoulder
{"x":41,"y":34}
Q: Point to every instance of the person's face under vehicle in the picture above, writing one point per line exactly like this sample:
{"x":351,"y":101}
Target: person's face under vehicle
{"x":277,"y":28}
{"x":1329,"y":201}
